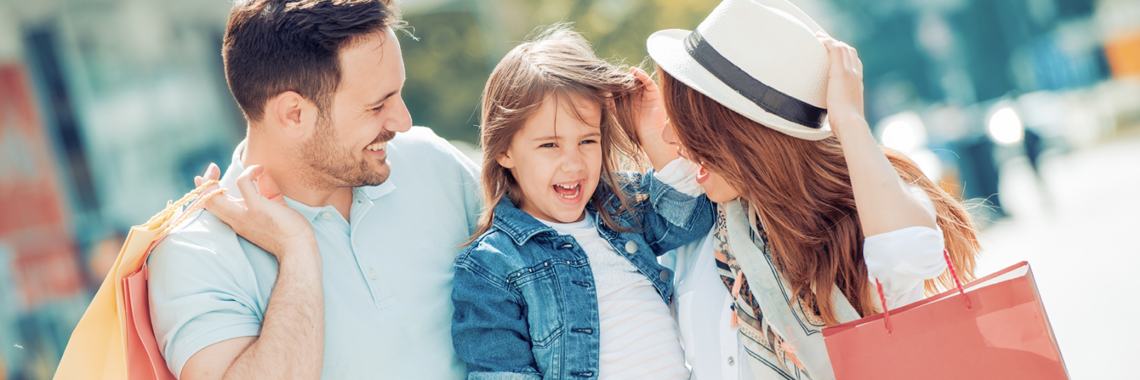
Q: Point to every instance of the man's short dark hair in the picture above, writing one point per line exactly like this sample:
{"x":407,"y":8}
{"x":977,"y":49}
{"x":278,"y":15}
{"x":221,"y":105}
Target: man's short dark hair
{"x":273,"y":46}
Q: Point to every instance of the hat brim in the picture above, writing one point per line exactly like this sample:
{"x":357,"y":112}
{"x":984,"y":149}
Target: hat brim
{"x":667,"y":49}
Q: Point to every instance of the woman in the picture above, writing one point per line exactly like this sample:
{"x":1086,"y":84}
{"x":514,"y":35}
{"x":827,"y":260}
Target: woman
{"x":746,"y":95}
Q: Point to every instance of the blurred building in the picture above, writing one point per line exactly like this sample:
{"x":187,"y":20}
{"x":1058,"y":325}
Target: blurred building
{"x":107,"y":109}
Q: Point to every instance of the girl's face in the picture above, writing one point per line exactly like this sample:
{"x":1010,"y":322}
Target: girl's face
{"x":716,"y":188}
{"x":557,"y":159}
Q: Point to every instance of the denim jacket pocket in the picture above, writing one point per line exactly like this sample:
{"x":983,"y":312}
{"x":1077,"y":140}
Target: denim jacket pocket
{"x":539,"y":288}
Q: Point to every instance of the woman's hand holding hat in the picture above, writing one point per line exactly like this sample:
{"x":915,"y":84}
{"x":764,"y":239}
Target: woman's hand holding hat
{"x":844,"y":87}
{"x":885,"y":203}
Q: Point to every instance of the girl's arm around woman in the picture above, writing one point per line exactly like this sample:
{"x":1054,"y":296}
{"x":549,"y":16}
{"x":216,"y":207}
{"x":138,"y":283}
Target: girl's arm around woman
{"x":669,"y":218}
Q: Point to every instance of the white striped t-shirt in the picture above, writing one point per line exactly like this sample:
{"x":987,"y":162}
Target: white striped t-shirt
{"x":639,"y":338}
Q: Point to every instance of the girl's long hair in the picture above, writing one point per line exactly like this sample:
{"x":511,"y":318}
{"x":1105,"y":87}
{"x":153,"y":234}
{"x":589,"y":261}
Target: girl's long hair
{"x":559,"y":65}
{"x":802,"y":194}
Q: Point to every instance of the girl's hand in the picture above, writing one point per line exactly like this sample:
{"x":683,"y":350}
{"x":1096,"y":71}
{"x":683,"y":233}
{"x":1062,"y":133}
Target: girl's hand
{"x":652,"y":121}
{"x":650,"y":108}
{"x":844,"y":87}
{"x":262,"y":217}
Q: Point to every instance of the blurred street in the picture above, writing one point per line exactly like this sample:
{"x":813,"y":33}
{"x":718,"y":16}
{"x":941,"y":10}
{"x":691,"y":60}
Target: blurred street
{"x":1079,"y":238}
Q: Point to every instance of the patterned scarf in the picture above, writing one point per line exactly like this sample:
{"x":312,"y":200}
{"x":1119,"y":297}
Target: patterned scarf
{"x":747,"y":313}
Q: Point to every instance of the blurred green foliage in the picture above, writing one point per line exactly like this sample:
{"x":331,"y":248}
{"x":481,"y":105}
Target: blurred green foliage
{"x":458,"y":43}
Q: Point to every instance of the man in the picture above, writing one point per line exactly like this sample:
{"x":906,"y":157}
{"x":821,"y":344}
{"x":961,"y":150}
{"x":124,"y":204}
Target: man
{"x":341,"y":265}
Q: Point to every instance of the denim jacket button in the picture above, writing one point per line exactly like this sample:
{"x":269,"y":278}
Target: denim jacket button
{"x":664,"y":275}
{"x":631,"y":246}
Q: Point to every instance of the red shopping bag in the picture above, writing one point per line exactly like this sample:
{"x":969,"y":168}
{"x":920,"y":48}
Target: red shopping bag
{"x":992,"y":328}
{"x":146,"y":360}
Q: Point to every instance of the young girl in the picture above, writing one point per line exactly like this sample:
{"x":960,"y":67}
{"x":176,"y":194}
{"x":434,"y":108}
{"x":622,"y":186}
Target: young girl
{"x":561,"y":280}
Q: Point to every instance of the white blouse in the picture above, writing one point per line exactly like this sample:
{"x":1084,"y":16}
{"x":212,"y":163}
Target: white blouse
{"x":900,"y":259}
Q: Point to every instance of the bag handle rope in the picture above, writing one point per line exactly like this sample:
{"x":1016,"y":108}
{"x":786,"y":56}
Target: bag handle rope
{"x":178,"y":211}
{"x":957,"y":282}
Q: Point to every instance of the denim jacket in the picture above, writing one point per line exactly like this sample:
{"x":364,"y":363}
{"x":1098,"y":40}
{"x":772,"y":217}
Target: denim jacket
{"x":526,"y":306}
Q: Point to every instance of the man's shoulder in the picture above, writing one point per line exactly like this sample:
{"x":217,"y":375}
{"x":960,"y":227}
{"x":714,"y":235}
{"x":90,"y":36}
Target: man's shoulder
{"x":420,"y":133}
{"x":421,"y":140}
{"x":426,"y":146}
{"x":202,"y":232}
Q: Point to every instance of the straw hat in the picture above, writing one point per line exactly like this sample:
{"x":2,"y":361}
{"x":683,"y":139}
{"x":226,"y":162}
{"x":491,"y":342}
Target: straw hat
{"x":759,"y":58}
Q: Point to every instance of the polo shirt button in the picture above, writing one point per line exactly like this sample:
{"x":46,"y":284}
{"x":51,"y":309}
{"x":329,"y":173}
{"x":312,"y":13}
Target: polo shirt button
{"x":372,"y":274}
{"x":631,"y":246}
{"x":664,"y":275}
{"x":731,"y":360}
{"x":326,"y":215}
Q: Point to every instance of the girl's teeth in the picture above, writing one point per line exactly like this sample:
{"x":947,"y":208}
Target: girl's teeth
{"x":576,"y":191}
{"x":576,"y":187}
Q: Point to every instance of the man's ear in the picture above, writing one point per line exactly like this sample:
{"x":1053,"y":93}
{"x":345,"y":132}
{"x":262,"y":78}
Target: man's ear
{"x":294,"y":114}
{"x":506,"y":161}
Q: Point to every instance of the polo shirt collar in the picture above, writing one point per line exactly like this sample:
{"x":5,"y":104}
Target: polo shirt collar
{"x":229,"y":182}
{"x":374,"y":192}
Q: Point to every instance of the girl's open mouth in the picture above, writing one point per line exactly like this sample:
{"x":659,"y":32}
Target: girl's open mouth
{"x":568,"y":191}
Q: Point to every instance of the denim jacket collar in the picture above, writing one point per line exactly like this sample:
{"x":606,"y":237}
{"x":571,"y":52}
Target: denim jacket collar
{"x":516,"y":223}
{"x":521,"y":226}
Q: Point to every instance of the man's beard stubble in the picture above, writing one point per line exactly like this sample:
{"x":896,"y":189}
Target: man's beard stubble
{"x":333,"y":167}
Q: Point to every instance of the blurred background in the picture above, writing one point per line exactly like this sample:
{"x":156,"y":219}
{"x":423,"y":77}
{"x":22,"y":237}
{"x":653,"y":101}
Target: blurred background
{"x":1029,"y":109}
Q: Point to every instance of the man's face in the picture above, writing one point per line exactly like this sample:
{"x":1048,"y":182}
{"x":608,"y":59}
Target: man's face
{"x":347,"y":148}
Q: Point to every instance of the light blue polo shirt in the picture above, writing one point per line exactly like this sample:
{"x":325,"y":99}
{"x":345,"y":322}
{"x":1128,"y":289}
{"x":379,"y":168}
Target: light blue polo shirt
{"x":387,"y":272}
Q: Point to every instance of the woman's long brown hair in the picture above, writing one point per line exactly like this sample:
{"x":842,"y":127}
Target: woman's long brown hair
{"x":802,"y":193}
{"x":556,"y":64}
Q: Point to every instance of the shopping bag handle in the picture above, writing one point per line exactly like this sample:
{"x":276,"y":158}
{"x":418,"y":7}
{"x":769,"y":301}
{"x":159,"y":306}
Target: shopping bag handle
{"x":957,"y":282}
{"x":199,"y":196}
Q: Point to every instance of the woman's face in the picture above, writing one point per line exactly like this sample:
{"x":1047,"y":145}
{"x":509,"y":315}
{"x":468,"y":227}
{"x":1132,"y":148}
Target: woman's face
{"x":716,"y":188}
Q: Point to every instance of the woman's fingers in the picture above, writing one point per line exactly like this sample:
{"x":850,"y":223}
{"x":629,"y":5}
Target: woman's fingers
{"x":245,"y":183}
{"x":269,"y":189}
{"x":844,"y":87}
{"x":212,"y":173}
{"x":841,"y":53}
{"x":835,"y":51}
{"x":852,"y":59}
{"x":226,"y":208}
